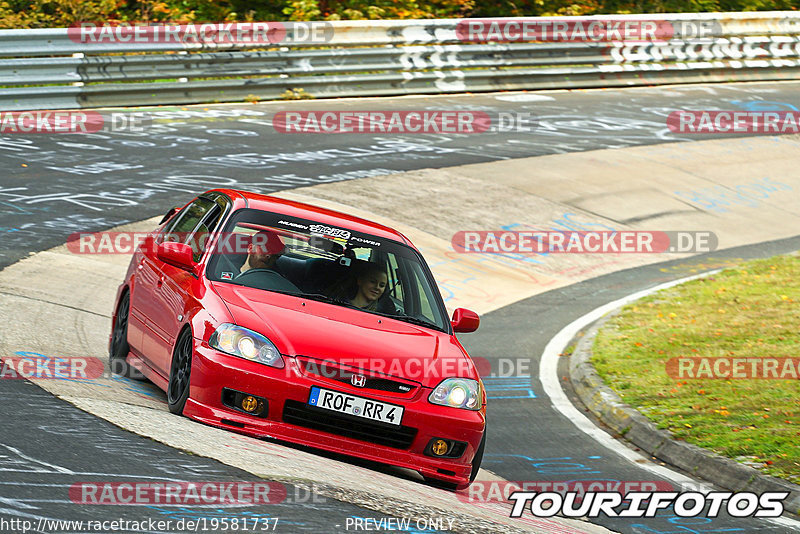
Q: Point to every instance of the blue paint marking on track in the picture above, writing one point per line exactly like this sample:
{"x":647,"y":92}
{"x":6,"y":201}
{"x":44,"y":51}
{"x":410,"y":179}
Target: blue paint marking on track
{"x":685,"y":525}
{"x":134,"y":386}
{"x":137,"y":386}
{"x":764,"y":105}
{"x":508,"y":387}
{"x":18,"y":208}
{"x":37,"y":360}
{"x":559,"y":466}
{"x":721,"y":199}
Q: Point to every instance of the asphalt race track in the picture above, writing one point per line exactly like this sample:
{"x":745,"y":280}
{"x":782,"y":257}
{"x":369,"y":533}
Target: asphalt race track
{"x":73,"y":447}
{"x":56,"y":185}
{"x":548,"y":446}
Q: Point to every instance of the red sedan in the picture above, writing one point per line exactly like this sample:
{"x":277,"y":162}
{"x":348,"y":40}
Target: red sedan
{"x":281,"y":319}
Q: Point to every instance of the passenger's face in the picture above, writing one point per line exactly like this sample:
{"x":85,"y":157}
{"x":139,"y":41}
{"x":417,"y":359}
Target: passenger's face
{"x":372,"y":286}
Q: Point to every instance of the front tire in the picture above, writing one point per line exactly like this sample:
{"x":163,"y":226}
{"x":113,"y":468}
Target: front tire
{"x":476,"y":467}
{"x":180,"y":373}
{"x":478,"y":459}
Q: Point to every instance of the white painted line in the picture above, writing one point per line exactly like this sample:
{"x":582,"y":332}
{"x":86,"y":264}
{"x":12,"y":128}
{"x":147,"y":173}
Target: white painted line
{"x":548,"y":375}
{"x":524,"y":97}
{"x":56,"y":468}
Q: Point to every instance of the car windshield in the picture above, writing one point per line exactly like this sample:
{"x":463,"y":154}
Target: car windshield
{"x":274,"y":252}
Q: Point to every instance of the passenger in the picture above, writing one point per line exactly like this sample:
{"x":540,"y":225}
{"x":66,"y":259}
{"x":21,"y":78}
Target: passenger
{"x":263,"y":251}
{"x":365,"y":289}
{"x":370,"y":287}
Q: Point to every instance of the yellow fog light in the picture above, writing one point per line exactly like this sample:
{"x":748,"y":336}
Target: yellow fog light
{"x":439,"y":447}
{"x":249,"y":403}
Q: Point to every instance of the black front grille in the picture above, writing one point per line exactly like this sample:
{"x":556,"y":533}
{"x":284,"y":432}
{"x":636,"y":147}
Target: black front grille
{"x":333,"y":371}
{"x":378,"y":384}
{"x":301,"y":414}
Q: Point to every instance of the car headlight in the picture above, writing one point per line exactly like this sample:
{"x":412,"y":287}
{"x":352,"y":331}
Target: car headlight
{"x":458,"y":393}
{"x":244,"y":343}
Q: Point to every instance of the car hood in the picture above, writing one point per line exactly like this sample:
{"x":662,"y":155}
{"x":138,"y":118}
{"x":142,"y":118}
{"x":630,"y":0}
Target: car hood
{"x":301,"y":327}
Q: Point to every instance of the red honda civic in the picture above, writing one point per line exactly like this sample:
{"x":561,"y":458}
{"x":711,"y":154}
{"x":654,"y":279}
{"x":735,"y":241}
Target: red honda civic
{"x":275,"y":318}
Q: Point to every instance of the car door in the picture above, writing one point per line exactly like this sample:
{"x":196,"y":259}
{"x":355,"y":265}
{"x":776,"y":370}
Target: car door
{"x":143,"y":291}
{"x":182,"y":290}
{"x":164,"y":287}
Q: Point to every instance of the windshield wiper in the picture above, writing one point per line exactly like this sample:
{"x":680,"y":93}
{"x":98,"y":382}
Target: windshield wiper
{"x":341,"y":302}
{"x":413,"y":320}
{"x":420,"y":322}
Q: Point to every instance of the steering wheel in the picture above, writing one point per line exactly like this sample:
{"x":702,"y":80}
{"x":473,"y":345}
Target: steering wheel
{"x":253,"y":271}
{"x":267,"y":279}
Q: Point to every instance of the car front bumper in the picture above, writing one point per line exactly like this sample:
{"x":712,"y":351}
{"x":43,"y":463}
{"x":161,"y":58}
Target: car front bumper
{"x":213,"y":371}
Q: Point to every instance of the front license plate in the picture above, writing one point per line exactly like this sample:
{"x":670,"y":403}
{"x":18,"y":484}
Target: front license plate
{"x":352,"y":405}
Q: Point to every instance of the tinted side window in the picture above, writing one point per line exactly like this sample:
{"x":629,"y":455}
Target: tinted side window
{"x":202,"y":235}
{"x":424,"y":292}
{"x":187,"y":220}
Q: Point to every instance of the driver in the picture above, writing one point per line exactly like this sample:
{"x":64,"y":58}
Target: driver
{"x":259,"y":269}
{"x":263,"y":251}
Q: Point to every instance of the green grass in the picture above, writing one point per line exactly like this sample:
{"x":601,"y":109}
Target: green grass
{"x":752,"y":310}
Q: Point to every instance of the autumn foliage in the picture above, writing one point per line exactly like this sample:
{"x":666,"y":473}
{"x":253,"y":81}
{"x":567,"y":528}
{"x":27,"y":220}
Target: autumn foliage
{"x":60,"y":13}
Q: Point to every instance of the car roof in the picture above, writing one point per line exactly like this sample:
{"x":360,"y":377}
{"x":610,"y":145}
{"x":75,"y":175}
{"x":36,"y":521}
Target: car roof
{"x":301,"y":210}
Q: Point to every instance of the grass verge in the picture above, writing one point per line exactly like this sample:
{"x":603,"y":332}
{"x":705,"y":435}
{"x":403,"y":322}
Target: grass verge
{"x":750,"y":311}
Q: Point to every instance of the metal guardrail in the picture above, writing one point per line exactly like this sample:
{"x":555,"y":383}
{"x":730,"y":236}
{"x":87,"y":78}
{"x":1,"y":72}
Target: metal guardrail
{"x":57,"y":69}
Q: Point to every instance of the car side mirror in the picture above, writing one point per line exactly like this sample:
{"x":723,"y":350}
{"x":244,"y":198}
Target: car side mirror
{"x":177,"y":254}
{"x":167,"y":216}
{"x":465,"y":320}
